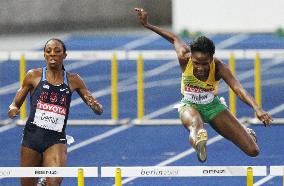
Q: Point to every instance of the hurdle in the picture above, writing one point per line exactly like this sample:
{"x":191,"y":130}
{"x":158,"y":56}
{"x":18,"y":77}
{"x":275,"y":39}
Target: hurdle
{"x":79,"y":172}
{"x":277,"y":171}
{"x":22,"y":74}
{"x":140,"y":56}
{"x":183,"y":171}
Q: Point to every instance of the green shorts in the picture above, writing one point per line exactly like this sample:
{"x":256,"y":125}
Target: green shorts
{"x":207,"y":111}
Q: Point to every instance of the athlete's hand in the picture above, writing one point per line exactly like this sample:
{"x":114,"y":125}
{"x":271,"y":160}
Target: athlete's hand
{"x":264,"y":117}
{"x":98,"y":108}
{"x":13,"y":112}
{"x":94,"y":104}
{"x":143,"y":16}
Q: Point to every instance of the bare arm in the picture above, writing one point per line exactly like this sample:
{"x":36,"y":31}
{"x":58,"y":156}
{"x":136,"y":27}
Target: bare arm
{"x":225,"y":73}
{"x":78,"y":84}
{"x":20,"y":97}
{"x":182,"y":50}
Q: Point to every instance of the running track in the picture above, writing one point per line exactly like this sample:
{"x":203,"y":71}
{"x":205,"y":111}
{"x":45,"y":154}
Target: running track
{"x":152,"y":145}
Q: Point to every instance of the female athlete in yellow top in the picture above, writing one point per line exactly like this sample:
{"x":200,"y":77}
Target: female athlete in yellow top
{"x":201,"y":72}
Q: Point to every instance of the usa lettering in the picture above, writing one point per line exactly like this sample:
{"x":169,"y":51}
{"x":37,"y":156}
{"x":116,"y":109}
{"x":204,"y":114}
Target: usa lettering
{"x":49,"y":119}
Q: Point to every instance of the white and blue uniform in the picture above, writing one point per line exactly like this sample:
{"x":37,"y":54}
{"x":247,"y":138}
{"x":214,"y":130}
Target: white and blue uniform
{"x":49,"y":109}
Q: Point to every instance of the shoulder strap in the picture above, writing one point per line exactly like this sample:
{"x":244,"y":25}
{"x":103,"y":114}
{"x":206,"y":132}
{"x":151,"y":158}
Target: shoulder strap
{"x":43,"y":78}
{"x":65,"y":78}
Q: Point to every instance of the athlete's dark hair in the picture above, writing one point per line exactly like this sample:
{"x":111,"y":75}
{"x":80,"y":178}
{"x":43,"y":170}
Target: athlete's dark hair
{"x":61,"y":42}
{"x":203,"y":44}
{"x":55,"y":39}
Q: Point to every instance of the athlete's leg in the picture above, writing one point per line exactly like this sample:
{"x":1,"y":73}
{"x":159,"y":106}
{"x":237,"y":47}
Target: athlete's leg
{"x":30,"y":158}
{"x":193,"y":122}
{"x":229,"y":127}
{"x":55,"y":156}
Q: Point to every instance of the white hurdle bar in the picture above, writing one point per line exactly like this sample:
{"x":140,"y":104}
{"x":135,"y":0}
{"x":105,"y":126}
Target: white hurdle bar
{"x":276,"y":170}
{"x":183,"y":171}
{"x":47,"y":171}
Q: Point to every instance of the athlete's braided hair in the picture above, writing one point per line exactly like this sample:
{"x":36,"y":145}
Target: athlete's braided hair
{"x":203,"y":44}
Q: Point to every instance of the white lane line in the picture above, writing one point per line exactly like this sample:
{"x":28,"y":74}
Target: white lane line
{"x":79,"y":64}
{"x":8,"y":124}
{"x":7,"y":127}
{"x":11,"y":88}
{"x":107,"y":77}
{"x":140,"y":42}
{"x":232,"y":40}
{"x":263,"y":180}
{"x":98,"y":137}
{"x":277,"y":109}
{"x":160,"y":111}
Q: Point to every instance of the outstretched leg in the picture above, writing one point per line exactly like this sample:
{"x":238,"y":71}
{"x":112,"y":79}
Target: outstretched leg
{"x":230,"y":128}
{"x":193,"y":122}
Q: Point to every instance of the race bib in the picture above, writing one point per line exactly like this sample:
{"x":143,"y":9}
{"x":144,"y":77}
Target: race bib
{"x":49,"y":116}
{"x":200,"y":97}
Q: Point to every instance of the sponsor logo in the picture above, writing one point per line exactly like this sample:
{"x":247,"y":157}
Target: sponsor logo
{"x":214,"y":171}
{"x":51,"y":108}
{"x":45,"y":86}
{"x":62,"y":89}
{"x":197,"y":89}
{"x":45,"y":172}
{"x":62,"y":139}
{"x":156,"y":172}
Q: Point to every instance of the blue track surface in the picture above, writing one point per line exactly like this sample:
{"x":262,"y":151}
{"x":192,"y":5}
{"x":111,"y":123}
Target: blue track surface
{"x":151,"y":145}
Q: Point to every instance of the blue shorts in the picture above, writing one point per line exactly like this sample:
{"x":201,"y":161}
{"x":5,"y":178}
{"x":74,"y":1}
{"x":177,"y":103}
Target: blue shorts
{"x":40,"y":139}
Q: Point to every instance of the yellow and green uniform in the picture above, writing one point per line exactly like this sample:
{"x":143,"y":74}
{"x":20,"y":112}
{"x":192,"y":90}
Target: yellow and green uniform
{"x":200,"y":95}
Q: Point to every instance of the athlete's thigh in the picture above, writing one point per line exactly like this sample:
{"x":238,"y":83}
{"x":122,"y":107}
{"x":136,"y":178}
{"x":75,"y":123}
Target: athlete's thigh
{"x":189,"y":116}
{"x":30,"y":158}
{"x":229,"y":127}
{"x":55,"y":155}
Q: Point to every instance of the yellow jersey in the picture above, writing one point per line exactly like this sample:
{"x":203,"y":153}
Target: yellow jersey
{"x":195,"y":90}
